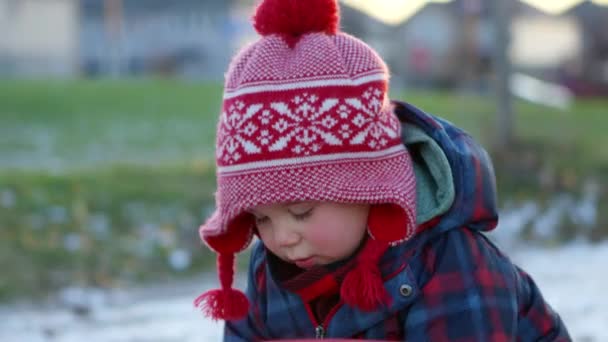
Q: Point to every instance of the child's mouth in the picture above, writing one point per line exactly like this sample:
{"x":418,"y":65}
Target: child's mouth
{"x":305,"y":263}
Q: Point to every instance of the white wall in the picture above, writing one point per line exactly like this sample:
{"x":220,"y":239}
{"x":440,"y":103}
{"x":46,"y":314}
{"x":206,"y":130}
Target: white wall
{"x":545,"y":41}
{"x":39,"y":36}
{"x":437,"y":30}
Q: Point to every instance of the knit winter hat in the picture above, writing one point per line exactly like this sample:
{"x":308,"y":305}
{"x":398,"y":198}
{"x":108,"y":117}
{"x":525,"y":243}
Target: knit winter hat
{"x":306,"y":117}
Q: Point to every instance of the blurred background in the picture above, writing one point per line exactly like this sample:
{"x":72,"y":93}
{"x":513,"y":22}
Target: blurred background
{"x":108,"y":111}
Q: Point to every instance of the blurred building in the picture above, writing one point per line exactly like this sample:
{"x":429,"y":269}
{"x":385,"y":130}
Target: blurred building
{"x":432,"y":41}
{"x":427,"y":49}
{"x":417,"y":50}
{"x":592,"y":65}
{"x":452,"y":43}
{"x":541,"y":42}
{"x":130,"y":37}
{"x":38,"y":37}
{"x":119,"y":37}
{"x":442,"y":44}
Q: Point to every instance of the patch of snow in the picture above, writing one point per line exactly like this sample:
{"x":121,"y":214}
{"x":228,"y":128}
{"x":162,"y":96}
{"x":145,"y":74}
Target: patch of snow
{"x":571,"y":278}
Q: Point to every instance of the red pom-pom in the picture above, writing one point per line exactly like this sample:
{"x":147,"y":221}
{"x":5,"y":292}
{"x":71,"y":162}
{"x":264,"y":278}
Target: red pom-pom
{"x":363,"y":287}
{"x":223,"y":304}
{"x":294,"y":18}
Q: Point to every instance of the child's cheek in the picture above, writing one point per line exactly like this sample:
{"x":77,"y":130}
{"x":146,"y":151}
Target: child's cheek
{"x":322,"y":237}
{"x":268,"y":241}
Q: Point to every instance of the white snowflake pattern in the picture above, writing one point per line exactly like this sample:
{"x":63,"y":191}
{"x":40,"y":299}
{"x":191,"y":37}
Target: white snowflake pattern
{"x":329,"y":122}
{"x":307,"y":121}
{"x":344,"y":112}
{"x":237,"y":131}
{"x":360,"y":120}
{"x":305,"y":125}
{"x":250,"y":129}
{"x":345,"y":131}
{"x":282,"y":125}
{"x":265,"y":137}
{"x":265,"y":117}
{"x":372,"y":130}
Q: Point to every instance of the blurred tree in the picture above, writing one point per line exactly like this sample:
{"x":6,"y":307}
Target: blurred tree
{"x":113,"y":17}
{"x":501,"y":12}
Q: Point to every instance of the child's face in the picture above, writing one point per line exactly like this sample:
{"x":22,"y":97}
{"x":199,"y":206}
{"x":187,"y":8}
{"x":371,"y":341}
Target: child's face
{"x":312,"y":233}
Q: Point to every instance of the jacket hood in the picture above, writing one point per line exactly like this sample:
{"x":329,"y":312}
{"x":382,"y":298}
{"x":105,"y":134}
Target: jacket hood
{"x":455,"y":178}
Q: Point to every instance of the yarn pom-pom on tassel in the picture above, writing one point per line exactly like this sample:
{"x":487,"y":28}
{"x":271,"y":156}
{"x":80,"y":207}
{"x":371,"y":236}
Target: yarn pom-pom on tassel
{"x":363,"y":288}
{"x":223,"y":304}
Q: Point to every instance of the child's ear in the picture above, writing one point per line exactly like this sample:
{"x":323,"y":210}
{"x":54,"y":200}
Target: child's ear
{"x":387,"y":223}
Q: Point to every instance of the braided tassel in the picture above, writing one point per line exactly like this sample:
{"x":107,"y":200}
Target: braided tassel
{"x":225,"y":303}
{"x":363,"y":287}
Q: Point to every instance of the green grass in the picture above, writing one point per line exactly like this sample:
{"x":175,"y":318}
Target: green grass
{"x":580,"y":131}
{"x":100,"y":181}
{"x":45,"y":101}
{"x":126,"y":222}
{"x":75,"y":124}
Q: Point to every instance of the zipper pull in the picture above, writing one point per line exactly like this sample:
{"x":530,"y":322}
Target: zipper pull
{"x":320,"y":332}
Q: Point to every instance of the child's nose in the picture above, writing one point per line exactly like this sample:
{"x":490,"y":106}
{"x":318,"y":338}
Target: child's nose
{"x":286,"y":237}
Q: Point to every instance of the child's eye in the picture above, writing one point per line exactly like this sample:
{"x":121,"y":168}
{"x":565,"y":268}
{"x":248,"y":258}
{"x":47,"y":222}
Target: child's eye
{"x":261,"y":220}
{"x":303,"y":216}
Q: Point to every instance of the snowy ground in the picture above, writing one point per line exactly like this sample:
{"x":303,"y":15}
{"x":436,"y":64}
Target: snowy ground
{"x":572,"y":278}
{"x":160,"y":313}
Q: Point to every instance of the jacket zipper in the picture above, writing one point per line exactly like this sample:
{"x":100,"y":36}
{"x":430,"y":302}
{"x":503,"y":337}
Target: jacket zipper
{"x":321,"y":329}
{"x":320,"y":332}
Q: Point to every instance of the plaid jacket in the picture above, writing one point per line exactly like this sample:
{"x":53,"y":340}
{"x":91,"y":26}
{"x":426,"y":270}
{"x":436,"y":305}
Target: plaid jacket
{"x":449,"y":283}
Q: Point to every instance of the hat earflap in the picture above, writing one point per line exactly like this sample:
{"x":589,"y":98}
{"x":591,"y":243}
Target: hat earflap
{"x":227,"y":303}
{"x":388,"y":223}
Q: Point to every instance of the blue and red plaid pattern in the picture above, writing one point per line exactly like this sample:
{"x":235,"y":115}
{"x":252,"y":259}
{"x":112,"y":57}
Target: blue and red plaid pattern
{"x":449,"y":283}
